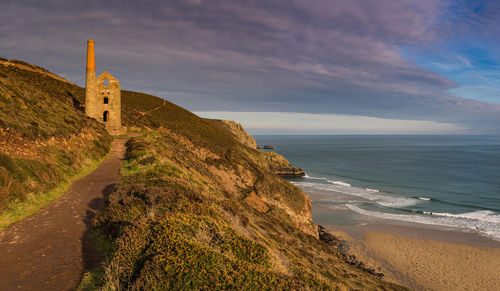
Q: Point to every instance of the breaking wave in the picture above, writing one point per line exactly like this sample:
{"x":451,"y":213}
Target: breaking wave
{"x":374,"y":195}
{"x":341,"y":183}
{"x":482,"y":221}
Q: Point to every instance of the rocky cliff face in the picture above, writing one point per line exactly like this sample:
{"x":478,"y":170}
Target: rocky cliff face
{"x":213,"y":218}
{"x":281,"y":166}
{"x":274,"y":162}
{"x":198,"y":208}
{"x":237,"y":130}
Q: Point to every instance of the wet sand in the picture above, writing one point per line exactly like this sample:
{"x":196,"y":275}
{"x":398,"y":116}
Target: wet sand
{"x":418,"y":256}
{"x":434,"y":264}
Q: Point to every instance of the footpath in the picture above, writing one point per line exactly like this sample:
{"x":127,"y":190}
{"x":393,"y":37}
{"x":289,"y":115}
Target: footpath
{"x":50,"y":249}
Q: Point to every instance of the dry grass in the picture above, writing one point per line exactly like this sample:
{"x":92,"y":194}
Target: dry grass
{"x":44,"y":141}
{"x":18,"y":210}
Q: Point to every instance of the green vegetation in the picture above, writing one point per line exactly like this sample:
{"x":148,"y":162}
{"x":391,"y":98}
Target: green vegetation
{"x":36,"y":105}
{"x":21,"y":209}
{"x":199,"y":131}
{"x":195,"y":209}
{"x":198,"y":210}
{"x":104,"y":248}
{"x":44,"y":141}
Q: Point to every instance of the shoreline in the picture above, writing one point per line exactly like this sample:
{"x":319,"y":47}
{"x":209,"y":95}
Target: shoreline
{"x":327,"y":216}
{"x":415,"y":255}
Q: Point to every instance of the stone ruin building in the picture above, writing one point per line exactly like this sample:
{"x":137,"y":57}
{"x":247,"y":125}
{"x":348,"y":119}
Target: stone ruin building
{"x":102,"y":96}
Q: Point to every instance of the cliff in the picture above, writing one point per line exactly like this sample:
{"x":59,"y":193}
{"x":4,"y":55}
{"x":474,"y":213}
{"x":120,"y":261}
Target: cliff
{"x":199,"y":209}
{"x":281,"y":166}
{"x":237,"y":130}
{"x":195,"y":208}
{"x":274,"y":162}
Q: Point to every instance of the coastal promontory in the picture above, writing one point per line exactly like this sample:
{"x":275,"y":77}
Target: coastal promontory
{"x":197,"y":205}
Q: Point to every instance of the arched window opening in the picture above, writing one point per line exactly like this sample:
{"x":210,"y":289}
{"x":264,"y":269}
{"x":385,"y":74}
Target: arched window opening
{"x":106,"y":100}
{"x":105,"y":82}
{"x":105,"y":116}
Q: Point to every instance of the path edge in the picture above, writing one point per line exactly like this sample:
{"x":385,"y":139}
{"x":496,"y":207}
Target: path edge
{"x":35,"y":203}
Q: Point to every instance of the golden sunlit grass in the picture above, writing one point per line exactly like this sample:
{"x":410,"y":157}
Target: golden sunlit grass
{"x":18,"y":210}
{"x":45,"y":142}
{"x":180,"y":217}
{"x":176,"y":223}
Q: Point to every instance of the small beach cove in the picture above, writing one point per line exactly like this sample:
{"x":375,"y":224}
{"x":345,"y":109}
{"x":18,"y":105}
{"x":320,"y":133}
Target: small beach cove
{"x":421,"y":257}
{"x":423,"y":210}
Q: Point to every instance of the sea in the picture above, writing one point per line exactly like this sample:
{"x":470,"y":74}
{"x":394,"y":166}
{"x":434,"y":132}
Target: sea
{"x":445,"y":181}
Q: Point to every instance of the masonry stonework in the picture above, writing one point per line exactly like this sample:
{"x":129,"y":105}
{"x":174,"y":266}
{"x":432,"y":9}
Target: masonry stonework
{"x":102,"y":96}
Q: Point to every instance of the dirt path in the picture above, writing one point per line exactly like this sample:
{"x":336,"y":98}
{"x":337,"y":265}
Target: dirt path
{"x":154,"y":109}
{"x":50,"y":249}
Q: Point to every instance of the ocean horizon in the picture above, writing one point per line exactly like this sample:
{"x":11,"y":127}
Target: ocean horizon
{"x":449,"y":181}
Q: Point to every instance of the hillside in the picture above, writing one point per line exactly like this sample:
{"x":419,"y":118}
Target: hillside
{"x":44,"y":140}
{"x":195,"y":208}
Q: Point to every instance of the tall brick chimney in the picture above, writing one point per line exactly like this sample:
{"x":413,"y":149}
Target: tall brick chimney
{"x":90,"y":77}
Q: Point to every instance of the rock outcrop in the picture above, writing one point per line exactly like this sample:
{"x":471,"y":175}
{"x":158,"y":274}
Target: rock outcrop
{"x":281,"y":166}
{"x":290,"y":172}
{"x":275,"y":162}
{"x":237,"y":130}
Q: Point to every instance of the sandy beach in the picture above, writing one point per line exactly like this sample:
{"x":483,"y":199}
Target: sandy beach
{"x":421,"y":257}
{"x":427,"y":264}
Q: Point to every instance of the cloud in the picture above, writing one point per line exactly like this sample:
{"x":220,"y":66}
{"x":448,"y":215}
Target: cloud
{"x":314,"y":56}
{"x":306,"y":123}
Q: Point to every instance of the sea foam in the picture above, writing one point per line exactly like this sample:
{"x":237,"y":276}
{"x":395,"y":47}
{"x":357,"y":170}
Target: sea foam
{"x":484,"y":221}
{"x":481,"y":215}
{"x":378,"y":197}
{"x":313,"y":178}
{"x":340,"y":183}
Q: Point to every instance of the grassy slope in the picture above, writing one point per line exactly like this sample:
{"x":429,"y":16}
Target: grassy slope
{"x":198,"y":210}
{"x":195,"y":209}
{"x":44,"y":140}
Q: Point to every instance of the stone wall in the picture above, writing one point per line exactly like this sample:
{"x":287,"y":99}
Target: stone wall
{"x":103,"y":102}
{"x":108,"y":100}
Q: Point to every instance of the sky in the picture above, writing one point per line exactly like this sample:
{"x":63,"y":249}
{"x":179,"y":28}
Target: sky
{"x":283,"y":66}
